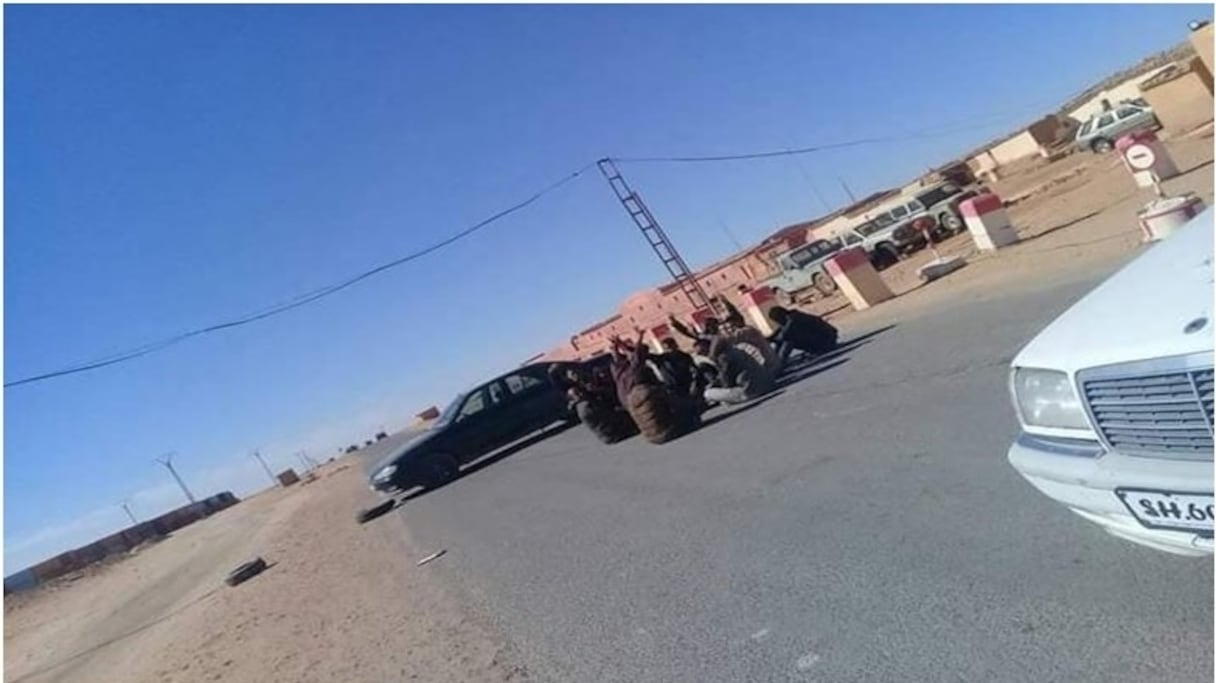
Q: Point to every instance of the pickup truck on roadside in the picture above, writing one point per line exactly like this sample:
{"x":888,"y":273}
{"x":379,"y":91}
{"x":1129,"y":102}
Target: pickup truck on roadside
{"x":802,"y":268}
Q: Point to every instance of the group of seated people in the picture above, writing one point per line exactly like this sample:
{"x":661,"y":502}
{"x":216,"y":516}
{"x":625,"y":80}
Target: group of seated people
{"x":662,"y":395}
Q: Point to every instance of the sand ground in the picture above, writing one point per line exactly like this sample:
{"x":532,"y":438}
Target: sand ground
{"x":340,"y":602}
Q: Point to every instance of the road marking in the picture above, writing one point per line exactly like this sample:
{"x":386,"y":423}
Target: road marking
{"x":806,"y":661}
{"x":760,"y":635}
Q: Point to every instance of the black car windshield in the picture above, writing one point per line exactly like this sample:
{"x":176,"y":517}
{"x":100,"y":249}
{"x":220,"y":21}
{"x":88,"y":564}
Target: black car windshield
{"x":449,"y":413}
{"x":938,"y":194}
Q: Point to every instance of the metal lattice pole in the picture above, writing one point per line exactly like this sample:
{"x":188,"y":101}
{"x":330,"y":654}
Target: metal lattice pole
{"x":655,"y":236}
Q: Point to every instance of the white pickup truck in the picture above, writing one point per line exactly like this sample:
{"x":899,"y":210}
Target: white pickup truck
{"x":1115,"y":399}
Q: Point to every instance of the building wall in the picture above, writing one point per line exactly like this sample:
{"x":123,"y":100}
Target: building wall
{"x":1182,"y":103}
{"x":1017,"y":147}
{"x":1127,"y":90}
{"x":1202,"y":42}
{"x":984,"y":165}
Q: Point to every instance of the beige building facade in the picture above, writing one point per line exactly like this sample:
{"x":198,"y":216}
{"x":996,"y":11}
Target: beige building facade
{"x":1181,"y":97}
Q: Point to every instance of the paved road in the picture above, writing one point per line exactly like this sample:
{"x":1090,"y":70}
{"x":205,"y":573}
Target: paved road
{"x":864,"y":525}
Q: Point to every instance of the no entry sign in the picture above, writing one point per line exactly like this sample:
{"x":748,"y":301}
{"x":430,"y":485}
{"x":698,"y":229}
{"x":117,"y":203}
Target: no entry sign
{"x":1140,"y":157}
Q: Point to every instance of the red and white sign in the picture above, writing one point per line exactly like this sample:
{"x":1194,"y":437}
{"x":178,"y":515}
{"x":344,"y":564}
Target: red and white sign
{"x":1140,"y":157}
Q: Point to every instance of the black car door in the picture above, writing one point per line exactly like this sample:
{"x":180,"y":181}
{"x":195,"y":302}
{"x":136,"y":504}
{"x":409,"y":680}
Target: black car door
{"x":472,"y":431}
{"x":533,"y":401}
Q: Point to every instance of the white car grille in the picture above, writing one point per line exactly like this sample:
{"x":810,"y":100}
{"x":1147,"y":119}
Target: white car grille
{"x":1168,"y":414}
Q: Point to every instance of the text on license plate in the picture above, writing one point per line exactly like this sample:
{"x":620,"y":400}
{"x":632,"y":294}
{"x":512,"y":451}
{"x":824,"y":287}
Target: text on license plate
{"x":1170,"y":510}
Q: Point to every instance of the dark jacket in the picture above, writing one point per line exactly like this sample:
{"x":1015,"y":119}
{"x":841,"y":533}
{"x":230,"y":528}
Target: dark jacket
{"x":680,"y":368}
{"x":808,"y":332}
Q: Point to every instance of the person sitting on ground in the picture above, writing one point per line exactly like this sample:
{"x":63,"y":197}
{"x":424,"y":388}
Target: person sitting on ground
{"x":751,"y":341}
{"x":659,"y":414}
{"x":596,"y":405}
{"x":741,"y":377}
{"x":803,"y":331}
{"x":709,"y":328}
{"x":733,"y":317}
{"x":679,"y":367}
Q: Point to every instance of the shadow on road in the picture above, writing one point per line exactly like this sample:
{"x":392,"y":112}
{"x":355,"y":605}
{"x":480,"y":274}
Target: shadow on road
{"x":1061,"y":226}
{"x":804,"y":367}
{"x":810,"y":370}
{"x":737,"y":410}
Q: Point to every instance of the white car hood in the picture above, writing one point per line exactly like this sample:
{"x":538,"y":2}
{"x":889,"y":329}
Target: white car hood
{"x":1140,"y":312}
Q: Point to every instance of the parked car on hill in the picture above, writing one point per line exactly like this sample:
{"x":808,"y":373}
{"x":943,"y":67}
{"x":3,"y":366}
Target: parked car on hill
{"x":1099,"y":132}
{"x":478,"y":422}
{"x":1115,"y":397}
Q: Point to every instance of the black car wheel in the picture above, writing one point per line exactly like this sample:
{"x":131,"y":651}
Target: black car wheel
{"x":1101,"y":146}
{"x":438,"y":469}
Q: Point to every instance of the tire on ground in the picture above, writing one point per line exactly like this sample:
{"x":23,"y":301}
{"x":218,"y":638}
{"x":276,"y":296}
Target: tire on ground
{"x":245,"y":572}
{"x":368,"y":514}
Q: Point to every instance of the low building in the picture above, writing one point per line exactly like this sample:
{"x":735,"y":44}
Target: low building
{"x":1040,"y":138}
{"x":1129,"y":89}
{"x":1181,"y":96}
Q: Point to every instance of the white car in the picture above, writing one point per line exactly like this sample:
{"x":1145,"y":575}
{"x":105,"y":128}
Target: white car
{"x":1115,"y":399}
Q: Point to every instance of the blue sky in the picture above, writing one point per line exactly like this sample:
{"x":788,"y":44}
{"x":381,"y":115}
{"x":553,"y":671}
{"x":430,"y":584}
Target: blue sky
{"x":172,"y":166}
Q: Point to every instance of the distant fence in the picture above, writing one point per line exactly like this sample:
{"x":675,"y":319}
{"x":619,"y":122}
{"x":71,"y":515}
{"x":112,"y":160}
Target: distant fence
{"x":117,"y":543}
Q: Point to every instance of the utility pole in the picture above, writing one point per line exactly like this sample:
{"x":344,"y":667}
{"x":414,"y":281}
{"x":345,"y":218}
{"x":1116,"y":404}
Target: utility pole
{"x":167,"y":461}
{"x":852,"y":199}
{"x":127,"y":509}
{"x":258,"y":456}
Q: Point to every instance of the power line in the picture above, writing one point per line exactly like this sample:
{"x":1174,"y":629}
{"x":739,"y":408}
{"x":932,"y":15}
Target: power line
{"x":317,"y":294}
{"x":300,"y":300}
{"x":925,"y":133}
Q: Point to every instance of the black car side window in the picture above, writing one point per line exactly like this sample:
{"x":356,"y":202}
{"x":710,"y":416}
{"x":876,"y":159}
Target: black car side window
{"x":474,"y":404}
{"x":522,"y":382}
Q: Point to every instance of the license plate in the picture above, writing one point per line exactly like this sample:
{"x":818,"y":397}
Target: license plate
{"x":1191,"y":512}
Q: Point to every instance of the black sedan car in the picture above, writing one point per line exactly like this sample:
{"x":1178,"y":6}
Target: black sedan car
{"x":478,"y":422}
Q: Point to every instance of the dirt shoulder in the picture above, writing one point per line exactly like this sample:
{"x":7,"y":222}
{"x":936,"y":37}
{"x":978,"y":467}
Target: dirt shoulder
{"x":340,"y":602}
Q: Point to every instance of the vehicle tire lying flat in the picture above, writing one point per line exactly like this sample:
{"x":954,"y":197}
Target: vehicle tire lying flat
{"x":245,"y":572}
{"x":368,"y":514}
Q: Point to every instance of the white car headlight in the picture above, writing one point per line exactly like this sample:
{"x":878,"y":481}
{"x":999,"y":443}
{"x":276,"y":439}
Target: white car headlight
{"x":385,"y":473}
{"x":1046,"y":398}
